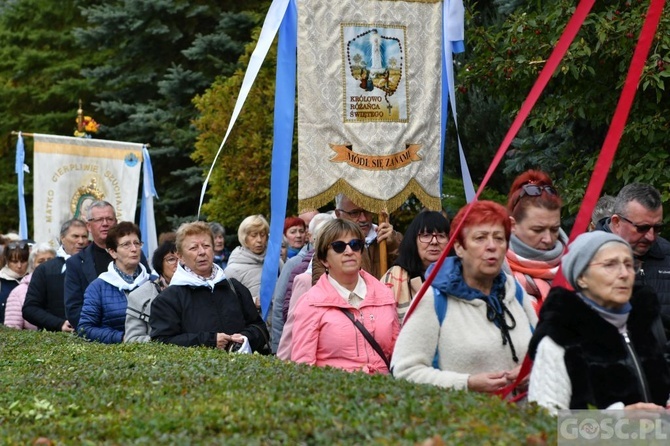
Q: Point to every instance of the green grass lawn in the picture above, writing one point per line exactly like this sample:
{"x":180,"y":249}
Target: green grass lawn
{"x":70,"y":391}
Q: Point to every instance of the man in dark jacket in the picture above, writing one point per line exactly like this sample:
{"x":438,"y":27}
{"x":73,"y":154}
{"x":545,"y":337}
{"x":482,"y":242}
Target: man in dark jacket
{"x":44,"y":305}
{"x":638,"y":218}
{"x":84,"y":267}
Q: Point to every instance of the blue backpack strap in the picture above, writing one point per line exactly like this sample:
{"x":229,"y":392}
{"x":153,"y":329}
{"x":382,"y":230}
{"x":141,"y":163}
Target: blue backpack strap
{"x":440,"y":302}
{"x":519,"y":293}
{"x":519,"y":298}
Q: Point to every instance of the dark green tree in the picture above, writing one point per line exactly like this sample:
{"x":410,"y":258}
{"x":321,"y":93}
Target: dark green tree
{"x":565,"y":131}
{"x":40,"y":83}
{"x":162,"y":54}
{"x":240,"y":183}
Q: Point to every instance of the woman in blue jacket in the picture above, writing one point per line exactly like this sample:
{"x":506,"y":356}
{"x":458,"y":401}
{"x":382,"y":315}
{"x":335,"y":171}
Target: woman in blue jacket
{"x":103,"y":315}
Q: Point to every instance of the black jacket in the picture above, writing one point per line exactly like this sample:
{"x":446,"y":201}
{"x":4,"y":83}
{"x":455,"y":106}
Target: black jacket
{"x":603,"y":369}
{"x":190,"y":316}
{"x":44,"y":305}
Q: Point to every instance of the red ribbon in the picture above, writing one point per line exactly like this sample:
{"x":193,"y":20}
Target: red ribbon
{"x":543,"y":79}
{"x":609,"y":149}
{"x":610,"y":145}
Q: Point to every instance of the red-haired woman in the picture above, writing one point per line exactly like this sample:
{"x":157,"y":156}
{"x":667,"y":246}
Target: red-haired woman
{"x":538,"y":242}
{"x":296,"y":234}
{"x":472,"y":327}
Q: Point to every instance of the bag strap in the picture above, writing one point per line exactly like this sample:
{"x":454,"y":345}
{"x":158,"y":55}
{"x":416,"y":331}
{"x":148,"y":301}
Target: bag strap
{"x":368,"y":337}
{"x":266,"y":344}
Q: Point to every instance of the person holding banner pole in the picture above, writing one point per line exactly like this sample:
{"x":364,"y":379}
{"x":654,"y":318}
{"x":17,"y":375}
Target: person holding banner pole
{"x":375,"y":237}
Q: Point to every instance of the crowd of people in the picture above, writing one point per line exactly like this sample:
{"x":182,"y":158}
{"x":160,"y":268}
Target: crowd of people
{"x":601,"y":341}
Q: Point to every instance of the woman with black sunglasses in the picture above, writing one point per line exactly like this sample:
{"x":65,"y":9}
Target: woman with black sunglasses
{"x":348,"y":319}
{"x":537,"y":243}
{"x":14,"y":267}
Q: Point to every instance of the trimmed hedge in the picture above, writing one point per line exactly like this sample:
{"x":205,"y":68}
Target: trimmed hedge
{"x":57,"y":389}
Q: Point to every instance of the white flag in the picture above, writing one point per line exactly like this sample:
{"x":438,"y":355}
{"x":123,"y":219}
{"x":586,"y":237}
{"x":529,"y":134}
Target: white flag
{"x":71,"y":173}
{"x":369,"y":111}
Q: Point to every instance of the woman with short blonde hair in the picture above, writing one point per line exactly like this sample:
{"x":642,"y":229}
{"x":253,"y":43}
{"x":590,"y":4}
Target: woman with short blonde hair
{"x":246,"y":261}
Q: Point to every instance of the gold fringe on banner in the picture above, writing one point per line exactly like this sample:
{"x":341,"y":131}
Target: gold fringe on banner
{"x":373,"y":205}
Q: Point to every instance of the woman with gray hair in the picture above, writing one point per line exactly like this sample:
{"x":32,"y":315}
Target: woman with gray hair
{"x":597,"y":346}
{"x":14,"y":310}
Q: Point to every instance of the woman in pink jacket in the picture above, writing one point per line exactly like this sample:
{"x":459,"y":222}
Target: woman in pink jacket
{"x":14,"y":310}
{"x":324,"y":330}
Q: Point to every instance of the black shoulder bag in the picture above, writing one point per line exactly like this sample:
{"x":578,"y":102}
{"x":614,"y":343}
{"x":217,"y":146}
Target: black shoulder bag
{"x":265,"y":348}
{"x":368,"y":337}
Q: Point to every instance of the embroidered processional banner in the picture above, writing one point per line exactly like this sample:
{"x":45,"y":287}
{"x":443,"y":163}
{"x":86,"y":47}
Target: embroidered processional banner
{"x":71,"y":173}
{"x":369,"y":92}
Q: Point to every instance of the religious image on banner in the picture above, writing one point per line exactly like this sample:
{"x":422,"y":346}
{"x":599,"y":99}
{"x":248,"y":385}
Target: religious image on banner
{"x":72,"y":173}
{"x":369,"y":102}
{"x":375,"y":88}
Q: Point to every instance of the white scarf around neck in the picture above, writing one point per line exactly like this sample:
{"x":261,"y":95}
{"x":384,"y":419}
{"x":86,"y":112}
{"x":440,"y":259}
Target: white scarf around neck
{"x":183,"y":277}
{"x":112,"y":277}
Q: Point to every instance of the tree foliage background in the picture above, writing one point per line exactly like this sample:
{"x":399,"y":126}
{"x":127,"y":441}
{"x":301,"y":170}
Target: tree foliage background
{"x":508,"y":44}
{"x":167,"y":73}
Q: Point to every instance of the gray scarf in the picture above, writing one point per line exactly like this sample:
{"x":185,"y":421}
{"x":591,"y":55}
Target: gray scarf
{"x":525,"y":251}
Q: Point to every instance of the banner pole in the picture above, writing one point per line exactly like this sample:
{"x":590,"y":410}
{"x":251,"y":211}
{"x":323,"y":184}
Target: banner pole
{"x":383,"y":264}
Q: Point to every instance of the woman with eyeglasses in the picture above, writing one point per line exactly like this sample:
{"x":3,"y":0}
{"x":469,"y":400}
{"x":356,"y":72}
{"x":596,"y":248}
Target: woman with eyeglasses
{"x":103,"y":314}
{"x":422,"y":244}
{"x":164,"y":262}
{"x":537,"y":242}
{"x":14,"y":263}
{"x":348,"y":319}
{"x":597,"y":346}
{"x":471,"y":329}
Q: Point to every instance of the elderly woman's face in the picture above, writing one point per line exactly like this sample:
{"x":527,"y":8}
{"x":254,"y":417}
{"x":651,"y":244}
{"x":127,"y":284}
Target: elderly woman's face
{"x":296,"y":236}
{"x":345,"y":263}
{"x":128,"y":253}
{"x":170,"y":265}
{"x":219,"y":243}
{"x":197,"y":253}
{"x":483,"y":251}
{"x":539,"y":229}
{"x":256,"y":241}
{"x":609,"y":278}
{"x":43,"y":257}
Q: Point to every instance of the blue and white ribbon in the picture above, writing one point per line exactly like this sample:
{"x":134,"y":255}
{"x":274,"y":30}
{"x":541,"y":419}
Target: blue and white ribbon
{"x":453,"y":34}
{"x":270,"y":27}
{"x":19,"y":168}
{"x":281,"y":151}
{"x":147,"y":216}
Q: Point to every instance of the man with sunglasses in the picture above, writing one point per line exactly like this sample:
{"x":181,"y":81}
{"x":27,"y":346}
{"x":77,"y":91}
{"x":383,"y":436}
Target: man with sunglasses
{"x":638,"y":218}
{"x":370,"y":259}
{"x":85,"y":266}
